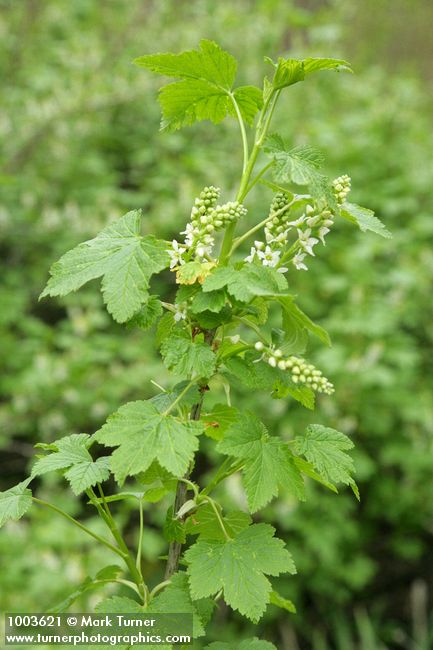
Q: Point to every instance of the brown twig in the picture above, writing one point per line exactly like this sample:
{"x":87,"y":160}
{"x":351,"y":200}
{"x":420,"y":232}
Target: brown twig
{"x":175,"y":548}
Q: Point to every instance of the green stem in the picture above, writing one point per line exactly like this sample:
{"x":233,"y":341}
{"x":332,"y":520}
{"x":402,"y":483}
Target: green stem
{"x":179,"y":397}
{"x":221,"y":470}
{"x":218,"y":516}
{"x":261,"y":173}
{"x":252,"y":326}
{"x":158,"y":588}
{"x":140,"y":540}
{"x":127,"y":583}
{"x":243,"y":132}
{"x":80,"y":526}
{"x":127,"y":558}
{"x":192,"y":485}
{"x":290,"y":253}
{"x":233,"y":353}
{"x":227,"y":468}
{"x":242,"y":192}
{"x":238,"y":241}
{"x":261,"y":132}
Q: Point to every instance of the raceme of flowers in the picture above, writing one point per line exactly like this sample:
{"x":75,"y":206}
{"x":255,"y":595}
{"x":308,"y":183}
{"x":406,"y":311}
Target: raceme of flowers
{"x":301,"y":372}
{"x":207,"y":218}
{"x":311,"y":228}
{"x":341,"y":187}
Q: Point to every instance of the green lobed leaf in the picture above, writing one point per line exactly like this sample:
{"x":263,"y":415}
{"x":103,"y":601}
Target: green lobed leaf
{"x":205,"y":523}
{"x":209,"y":320}
{"x":175,"y":598}
{"x":250,"y":100}
{"x":302,"y":394}
{"x":239,"y":567}
{"x":143,"y":434}
{"x":148,"y":314}
{"x":300,"y":165}
{"x":186,"y":102}
{"x":209,"y":63}
{"x":15,"y":502}
{"x":325,"y":449}
{"x":364,"y":218}
{"x":163,"y":401}
{"x":173,"y":529}
{"x":294,"y":319}
{"x":72,"y":452}
{"x":218,"y":419}
{"x":69,"y":450}
{"x":122,"y":605}
{"x":247,"y":644}
{"x":166,"y":327}
{"x":159,"y":482}
{"x":268,"y":461}
{"x":315,"y":64}
{"x":287,"y":73}
{"x":246,"y":283}
{"x":87,"y":474}
{"x":258,"y":311}
{"x":205,"y":90}
{"x":122,"y":257}
{"x":207,"y":76}
{"x":281,"y":602}
{"x":253,"y":375}
{"x":290,"y":71}
{"x":263,"y":377}
{"x":307,"y":468}
{"x":212,"y":301}
{"x":119,"y":605}
{"x":188,"y":358}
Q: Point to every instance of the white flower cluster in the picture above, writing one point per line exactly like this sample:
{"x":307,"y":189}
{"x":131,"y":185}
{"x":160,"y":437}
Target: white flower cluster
{"x":301,"y":371}
{"x":206,"y":219}
{"x":312,"y":227}
{"x":276,"y":233}
{"x":341,"y":187}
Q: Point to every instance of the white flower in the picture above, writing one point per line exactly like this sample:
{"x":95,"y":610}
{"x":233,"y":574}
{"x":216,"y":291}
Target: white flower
{"x":252,"y":255}
{"x":204,"y":247}
{"x":313,"y":221}
{"x":297,"y":222}
{"x":259,"y":245}
{"x":179,"y":312}
{"x":299,"y":263}
{"x":306,"y":241}
{"x":189,"y":234}
{"x":269,"y":257}
{"x":203,"y":250}
{"x":322,"y":232}
{"x":259,"y":346}
{"x":282,"y":237}
{"x":175,"y":253}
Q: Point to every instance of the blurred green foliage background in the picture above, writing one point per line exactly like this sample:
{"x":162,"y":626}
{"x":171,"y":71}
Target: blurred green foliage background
{"x":80,"y":146}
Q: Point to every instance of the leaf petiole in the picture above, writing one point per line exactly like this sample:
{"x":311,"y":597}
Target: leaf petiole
{"x":80,"y":526}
